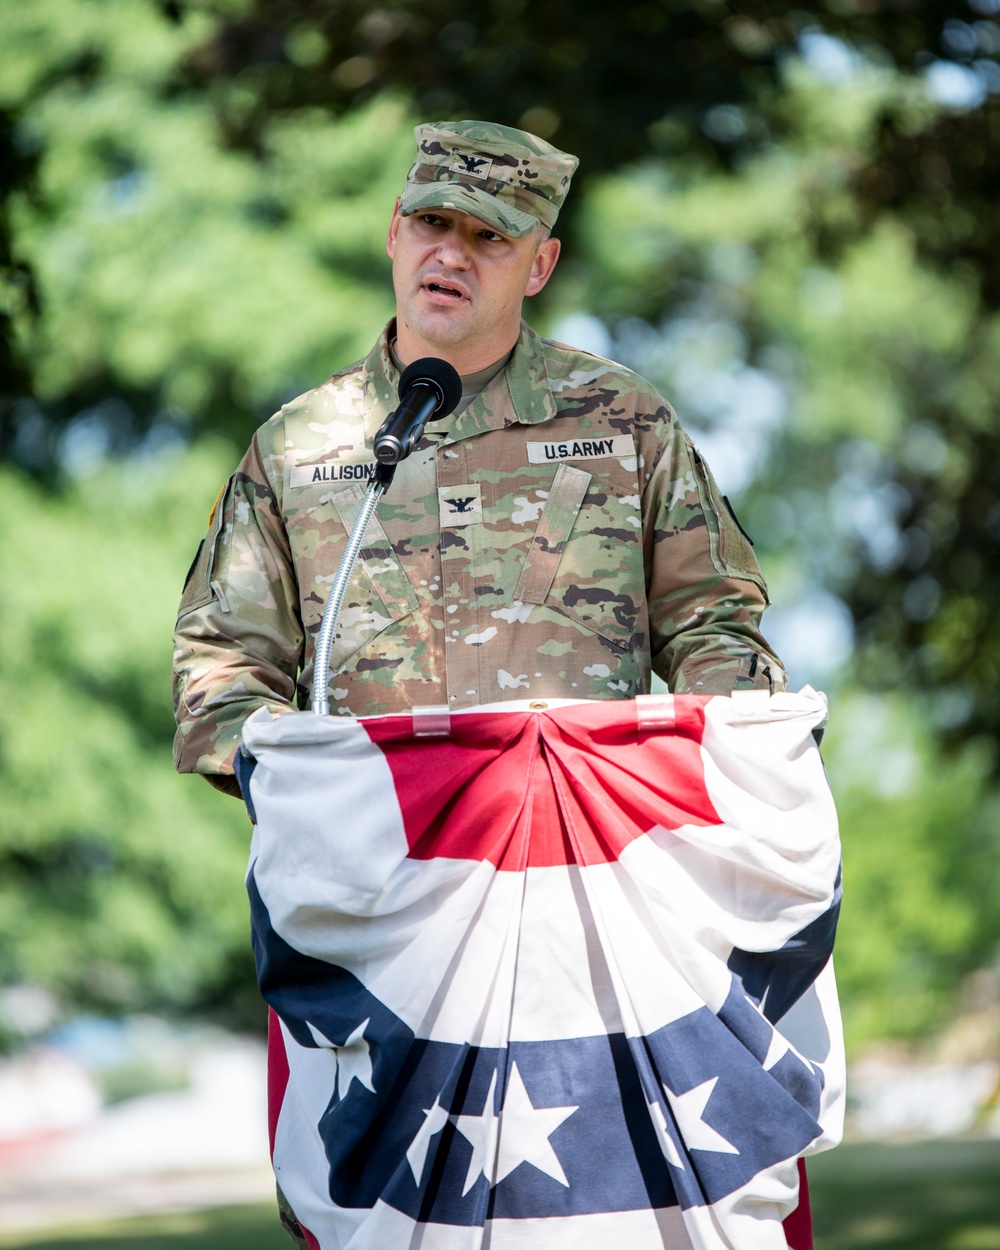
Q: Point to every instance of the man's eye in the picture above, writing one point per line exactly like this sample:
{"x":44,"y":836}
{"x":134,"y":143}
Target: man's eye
{"x":490,"y":236}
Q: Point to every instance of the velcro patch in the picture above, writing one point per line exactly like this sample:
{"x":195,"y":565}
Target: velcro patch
{"x":331,"y":471}
{"x":461,"y":505}
{"x":581,"y":449}
{"x":477,"y":166}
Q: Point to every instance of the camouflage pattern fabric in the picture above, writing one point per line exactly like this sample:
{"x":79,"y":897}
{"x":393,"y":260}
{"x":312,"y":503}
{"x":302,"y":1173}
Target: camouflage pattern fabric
{"x":508,"y":178}
{"x":289,"y":1222}
{"x":559,"y":541}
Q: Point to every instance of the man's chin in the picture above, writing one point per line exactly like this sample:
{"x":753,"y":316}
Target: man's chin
{"x":445,"y":327}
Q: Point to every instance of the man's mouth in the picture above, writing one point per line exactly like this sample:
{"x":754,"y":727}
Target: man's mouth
{"x":442,"y":288}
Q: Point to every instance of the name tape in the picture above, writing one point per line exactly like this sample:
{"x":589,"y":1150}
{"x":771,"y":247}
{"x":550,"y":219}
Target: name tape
{"x":581,"y":449}
{"x":331,"y":471}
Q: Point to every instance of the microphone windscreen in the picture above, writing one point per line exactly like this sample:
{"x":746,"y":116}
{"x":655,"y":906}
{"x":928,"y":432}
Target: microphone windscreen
{"x":438,"y":373}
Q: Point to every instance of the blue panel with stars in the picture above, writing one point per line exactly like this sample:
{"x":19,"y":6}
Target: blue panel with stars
{"x":778,"y":979}
{"x":456,"y":1134}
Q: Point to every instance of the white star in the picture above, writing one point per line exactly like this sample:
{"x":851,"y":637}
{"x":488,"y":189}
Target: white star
{"x":313,"y":1071}
{"x":434,"y":1121}
{"x":776,"y":1051}
{"x":688,"y":1111}
{"x":525,"y":1131}
{"x":667,"y":1143}
{"x":354,"y":1058}
{"x":778,"y":1047}
{"x":480,"y":1130}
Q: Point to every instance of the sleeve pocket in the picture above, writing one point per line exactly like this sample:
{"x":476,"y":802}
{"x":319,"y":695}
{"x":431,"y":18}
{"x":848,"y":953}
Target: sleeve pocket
{"x":731,"y":549}
{"x":201,"y":585}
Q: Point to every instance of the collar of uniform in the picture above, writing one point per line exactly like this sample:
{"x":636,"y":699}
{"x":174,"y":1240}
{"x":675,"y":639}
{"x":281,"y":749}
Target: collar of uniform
{"x":381,"y":383}
{"x":528,"y":379}
{"x":519,"y":394}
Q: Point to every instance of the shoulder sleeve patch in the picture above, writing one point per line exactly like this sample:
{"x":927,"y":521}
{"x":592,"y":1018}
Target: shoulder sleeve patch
{"x":198,"y":588}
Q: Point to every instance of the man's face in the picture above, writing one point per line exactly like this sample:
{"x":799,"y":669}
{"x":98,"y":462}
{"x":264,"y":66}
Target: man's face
{"x":459,"y":285}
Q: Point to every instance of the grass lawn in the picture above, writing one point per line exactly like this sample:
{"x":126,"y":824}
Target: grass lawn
{"x":926,"y":1196}
{"x":222,"y":1228}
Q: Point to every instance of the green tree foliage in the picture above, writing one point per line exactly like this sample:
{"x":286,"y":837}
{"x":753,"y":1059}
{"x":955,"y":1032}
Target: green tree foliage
{"x":185,"y":277}
{"x":791,"y":233}
{"x":727,"y":274}
{"x":592,"y":79}
{"x":921,"y":866}
{"x":119,"y":886}
{"x":685,"y":84}
{"x":680,"y":86}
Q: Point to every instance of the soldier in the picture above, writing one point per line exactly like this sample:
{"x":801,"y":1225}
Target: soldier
{"x":558,"y":537}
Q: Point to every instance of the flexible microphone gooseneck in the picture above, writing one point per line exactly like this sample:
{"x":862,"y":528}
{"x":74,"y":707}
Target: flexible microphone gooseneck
{"x":429,"y":389}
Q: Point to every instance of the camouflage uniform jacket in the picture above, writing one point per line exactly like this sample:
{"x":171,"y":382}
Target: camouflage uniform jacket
{"x":560,"y":540}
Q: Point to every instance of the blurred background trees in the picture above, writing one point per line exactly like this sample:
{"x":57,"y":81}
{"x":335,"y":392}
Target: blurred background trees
{"x":786,"y":218}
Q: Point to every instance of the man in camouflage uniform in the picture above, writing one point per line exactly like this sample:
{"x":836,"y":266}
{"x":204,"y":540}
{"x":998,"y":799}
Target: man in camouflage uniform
{"x":558,"y":537}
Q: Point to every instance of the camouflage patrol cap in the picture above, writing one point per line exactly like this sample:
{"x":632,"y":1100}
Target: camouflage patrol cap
{"x":508,"y":178}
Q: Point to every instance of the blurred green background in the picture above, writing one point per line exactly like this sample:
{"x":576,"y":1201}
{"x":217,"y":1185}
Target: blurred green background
{"x":788,"y":219}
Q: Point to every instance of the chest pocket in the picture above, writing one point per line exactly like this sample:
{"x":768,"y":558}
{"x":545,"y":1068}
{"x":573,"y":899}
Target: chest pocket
{"x":377,"y":556}
{"x":585,"y":560}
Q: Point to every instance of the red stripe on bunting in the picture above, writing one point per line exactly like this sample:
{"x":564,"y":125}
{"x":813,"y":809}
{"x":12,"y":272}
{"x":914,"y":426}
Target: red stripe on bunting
{"x":798,"y":1227}
{"x":277,"y":1074}
{"x":569,"y":785}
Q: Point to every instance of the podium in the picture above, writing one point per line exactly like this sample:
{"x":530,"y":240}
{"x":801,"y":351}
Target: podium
{"x":552,"y":974}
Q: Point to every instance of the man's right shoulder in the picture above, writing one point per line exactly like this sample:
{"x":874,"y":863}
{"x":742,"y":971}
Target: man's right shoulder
{"x":344,"y":389}
{"x":310,"y":419}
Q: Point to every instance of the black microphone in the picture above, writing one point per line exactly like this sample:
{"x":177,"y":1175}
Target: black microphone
{"x":428,"y":390}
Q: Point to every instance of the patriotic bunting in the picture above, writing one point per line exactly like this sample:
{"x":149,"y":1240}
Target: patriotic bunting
{"x":558,"y":977}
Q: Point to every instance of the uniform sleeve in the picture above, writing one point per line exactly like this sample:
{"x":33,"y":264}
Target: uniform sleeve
{"x":238,"y":641}
{"x":704,"y":587}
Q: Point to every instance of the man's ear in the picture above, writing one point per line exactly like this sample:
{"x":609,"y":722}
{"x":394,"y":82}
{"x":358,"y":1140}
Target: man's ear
{"x":542,"y":265}
{"x":390,"y":238}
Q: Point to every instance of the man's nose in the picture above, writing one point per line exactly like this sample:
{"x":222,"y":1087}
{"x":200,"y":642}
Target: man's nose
{"x":453,"y":250}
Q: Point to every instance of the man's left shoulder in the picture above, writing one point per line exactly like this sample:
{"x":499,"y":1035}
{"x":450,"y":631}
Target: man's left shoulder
{"x":574,"y":373}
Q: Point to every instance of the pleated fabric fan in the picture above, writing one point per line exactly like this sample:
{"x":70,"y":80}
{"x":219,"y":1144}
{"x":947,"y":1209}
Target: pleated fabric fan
{"x":548,"y":975}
